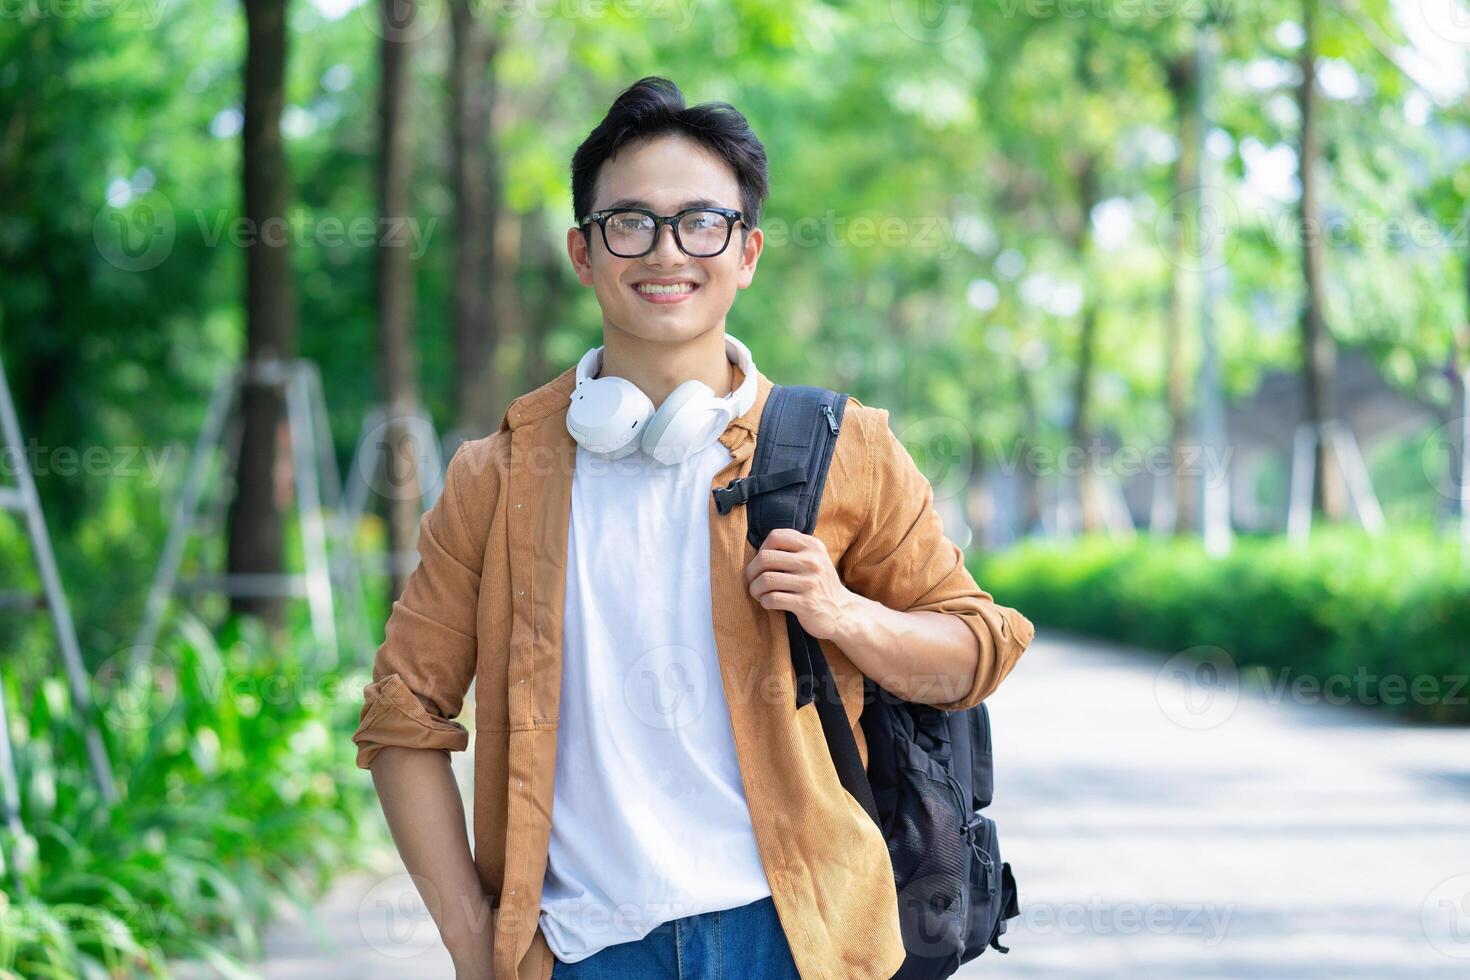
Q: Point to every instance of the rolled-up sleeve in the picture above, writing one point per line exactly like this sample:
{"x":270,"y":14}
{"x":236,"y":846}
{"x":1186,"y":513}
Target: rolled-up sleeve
{"x":427,"y":660}
{"x":901,"y":558}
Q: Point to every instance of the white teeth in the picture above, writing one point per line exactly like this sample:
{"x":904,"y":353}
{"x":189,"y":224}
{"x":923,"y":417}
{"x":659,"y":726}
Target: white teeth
{"x":658,"y":290}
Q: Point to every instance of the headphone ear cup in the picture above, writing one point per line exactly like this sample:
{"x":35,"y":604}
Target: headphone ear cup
{"x":608,"y":416}
{"x":667,"y":437}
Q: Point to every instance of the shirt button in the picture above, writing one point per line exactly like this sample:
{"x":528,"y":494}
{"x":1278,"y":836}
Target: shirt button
{"x":521,"y":681}
{"x":512,"y":891}
{"x":520,"y":591}
{"x":520,"y":782}
{"x":518,"y":506}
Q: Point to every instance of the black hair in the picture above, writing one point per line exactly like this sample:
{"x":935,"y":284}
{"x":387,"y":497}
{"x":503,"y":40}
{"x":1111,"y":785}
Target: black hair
{"x":654,"y":106}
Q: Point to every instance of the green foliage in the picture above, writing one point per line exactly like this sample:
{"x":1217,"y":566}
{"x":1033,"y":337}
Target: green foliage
{"x":970,"y":132}
{"x":238,"y":790}
{"x":1396,"y":606}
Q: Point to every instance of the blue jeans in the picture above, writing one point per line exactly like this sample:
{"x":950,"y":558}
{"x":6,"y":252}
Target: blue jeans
{"x":730,"y":944}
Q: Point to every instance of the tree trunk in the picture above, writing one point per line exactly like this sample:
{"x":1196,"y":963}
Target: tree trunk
{"x":979,"y":504}
{"x":255,"y":520}
{"x":397,"y":360}
{"x":505,"y":297}
{"x":1460,"y":463}
{"x":1183,"y":509}
{"x":1319,"y":353}
{"x":478,"y":390}
{"x":1030,"y":424}
{"x":548,"y":294}
{"x":1082,"y":384}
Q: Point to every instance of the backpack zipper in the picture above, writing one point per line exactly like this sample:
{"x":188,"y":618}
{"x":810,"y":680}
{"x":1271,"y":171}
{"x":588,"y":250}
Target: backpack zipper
{"x":831,"y":419}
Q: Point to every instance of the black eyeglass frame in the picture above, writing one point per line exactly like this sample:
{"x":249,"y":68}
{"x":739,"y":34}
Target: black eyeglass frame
{"x":600,"y":218}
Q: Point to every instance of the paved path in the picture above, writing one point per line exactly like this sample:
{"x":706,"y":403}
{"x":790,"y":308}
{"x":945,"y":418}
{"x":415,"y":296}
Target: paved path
{"x":374,"y":926}
{"x":1166,"y":823}
{"x":1163,"y":823}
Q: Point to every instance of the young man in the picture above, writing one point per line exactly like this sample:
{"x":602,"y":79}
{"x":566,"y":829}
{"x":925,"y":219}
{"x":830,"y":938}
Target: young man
{"x":648,"y":801}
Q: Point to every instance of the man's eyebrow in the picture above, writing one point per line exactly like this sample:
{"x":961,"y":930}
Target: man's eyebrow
{"x":633,"y":202}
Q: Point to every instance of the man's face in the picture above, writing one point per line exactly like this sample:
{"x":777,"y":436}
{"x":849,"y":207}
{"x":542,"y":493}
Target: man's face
{"x":665,"y":175}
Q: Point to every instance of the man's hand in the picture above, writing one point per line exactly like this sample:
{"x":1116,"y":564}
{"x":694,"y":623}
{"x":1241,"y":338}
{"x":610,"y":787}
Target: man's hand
{"x":472,"y":961}
{"x":928,"y":657}
{"x":793,"y":572}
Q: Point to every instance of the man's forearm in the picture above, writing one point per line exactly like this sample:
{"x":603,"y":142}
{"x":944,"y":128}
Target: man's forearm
{"x":422,"y":805}
{"x":927,"y":657}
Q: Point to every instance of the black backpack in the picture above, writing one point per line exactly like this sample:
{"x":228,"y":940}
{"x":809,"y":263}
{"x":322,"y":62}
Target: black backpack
{"x":929,"y":771}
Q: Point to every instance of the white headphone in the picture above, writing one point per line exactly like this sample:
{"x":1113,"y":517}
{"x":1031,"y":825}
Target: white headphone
{"x":611,"y":417}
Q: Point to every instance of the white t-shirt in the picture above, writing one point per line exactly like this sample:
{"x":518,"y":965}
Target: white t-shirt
{"x":649,"y":819}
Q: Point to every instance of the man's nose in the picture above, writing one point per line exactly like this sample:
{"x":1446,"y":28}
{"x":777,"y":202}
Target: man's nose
{"x":666,"y":249}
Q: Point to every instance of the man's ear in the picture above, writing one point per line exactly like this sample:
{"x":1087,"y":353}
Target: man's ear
{"x":580,"y":255}
{"x":750,"y":254}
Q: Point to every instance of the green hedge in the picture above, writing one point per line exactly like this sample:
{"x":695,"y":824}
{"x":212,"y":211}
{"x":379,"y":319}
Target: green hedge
{"x":1389,"y":612}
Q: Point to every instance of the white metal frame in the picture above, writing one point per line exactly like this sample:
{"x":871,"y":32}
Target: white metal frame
{"x":369,"y":457}
{"x":314,"y":470}
{"x":1349,"y":463}
{"x":23,"y":499}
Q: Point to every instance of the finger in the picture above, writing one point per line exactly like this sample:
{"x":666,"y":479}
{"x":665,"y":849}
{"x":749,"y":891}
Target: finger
{"x":788,"y":564}
{"x":756,"y":566}
{"x":768,"y":559}
{"x":780,"y":600}
{"x":786,"y":539}
{"x":772,"y":581}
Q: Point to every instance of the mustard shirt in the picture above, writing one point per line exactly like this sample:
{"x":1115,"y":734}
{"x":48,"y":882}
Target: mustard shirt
{"x":484,"y":604}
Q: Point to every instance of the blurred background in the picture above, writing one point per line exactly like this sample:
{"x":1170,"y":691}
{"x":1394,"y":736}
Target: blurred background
{"x":1168,"y":298}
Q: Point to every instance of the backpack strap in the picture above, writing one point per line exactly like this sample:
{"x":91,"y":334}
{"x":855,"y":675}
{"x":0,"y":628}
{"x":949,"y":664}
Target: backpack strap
{"x":798,"y":433}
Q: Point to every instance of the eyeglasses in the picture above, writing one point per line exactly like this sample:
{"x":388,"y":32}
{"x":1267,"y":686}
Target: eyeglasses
{"x":631,"y":233}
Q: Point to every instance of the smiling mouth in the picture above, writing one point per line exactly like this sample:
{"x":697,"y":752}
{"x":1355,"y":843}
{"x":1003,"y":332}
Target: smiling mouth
{"x":665,"y":289}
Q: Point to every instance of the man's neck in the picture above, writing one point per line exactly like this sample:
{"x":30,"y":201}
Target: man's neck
{"x":659,"y":368}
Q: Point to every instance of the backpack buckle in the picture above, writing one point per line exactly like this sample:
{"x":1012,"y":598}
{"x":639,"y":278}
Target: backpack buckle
{"x":732,"y":495}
